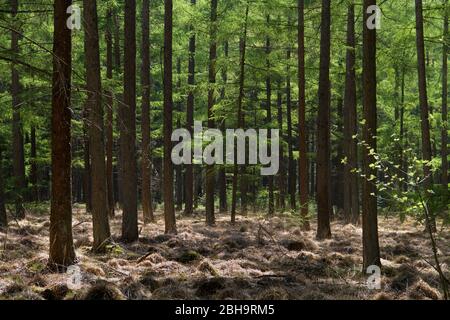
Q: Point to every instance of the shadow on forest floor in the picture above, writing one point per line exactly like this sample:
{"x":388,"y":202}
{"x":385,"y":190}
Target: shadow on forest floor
{"x":258,"y":258}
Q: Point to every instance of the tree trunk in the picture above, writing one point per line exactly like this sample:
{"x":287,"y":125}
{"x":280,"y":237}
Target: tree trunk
{"x":34,"y":166}
{"x":240,"y":117}
{"x":302,"y":129}
{"x":179,"y":168}
{"x":223,"y":201}
{"x":371,"y":248}
{"x":323,"y":129}
{"x":109,"y":115}
{"x":62,"y":253}
{"x":282,"y":173}
{"x":146,"y":164}
{"x":337,"y":177}
{"x":291,"y":164}
{"x":17,"y":134}
{"x":169,"y":210}
{"x":424,"y":108}
{"x":87,"y":192}
{"x":100,"y":210}
{"x":128,"y":129}
{"x":3,"y":217}
{"x":189,"y":175}
{"x":444,"y":143}
{"x":210,"y":171}
{"x":350,"y":187}
{"x":271,"y":207}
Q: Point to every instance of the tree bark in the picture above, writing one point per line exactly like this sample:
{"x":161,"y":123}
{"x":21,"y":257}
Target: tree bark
{"x":291,"y":164}
{"x":302,"y":129}
{"x":444,"y":135}
{"x":282,"y":173}
{"x":128,"y":129}
{"x":179,"y":168}
{"x":146,"y":164}
{"x":323,"y":128}
{"x":109,"y":115}
{"x":240,"y":116}
{"x":62,"y":253}
{"x":3,"y":216}
{"x":189,"y":175}
{"x":371,"y":247}
{"x":169,"y":210}
{"x":271,"y":207}
{"x":34,"y":166}
{"x":17,"y":133}
{"x":100,"y":210}
{"x":350,"y":187}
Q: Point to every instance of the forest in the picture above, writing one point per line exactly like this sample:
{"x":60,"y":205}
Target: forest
{"x":224,"y":149}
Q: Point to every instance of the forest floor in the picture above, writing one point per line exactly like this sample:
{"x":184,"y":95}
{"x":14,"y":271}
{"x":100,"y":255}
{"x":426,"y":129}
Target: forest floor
{"x":258,"y":258}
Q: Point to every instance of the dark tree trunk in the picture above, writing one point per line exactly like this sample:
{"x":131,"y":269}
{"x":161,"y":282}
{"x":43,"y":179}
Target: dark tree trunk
{"x":62,"y":253}
{"x":169,"y":210}
{"x":424,"y":108}
{"x":240,"y":115}
{"x":109,"y":115}
{"x":338,"y":183}
{"x":3,"y":217}
{"x":100,"y":211}
{"x":371,"y":247}
{"x":87,"y":192}
{"x":128,"y":129}
{"x":189,"y":175}
{"x":350,"y":187}
{"x":302,"y":129}
{"x":210,"y":171}
{"x":282,"y":173}
{"x":179,"y":168}
{"x":444,"y":143}
{"x":271,"y":207}
{"x":223,"y":201}
{"x":323,"y":128}
{"x":291,"y":163}
{"x":34,"y":166}
{"x":146,"y":164}
{"x":17,"y":134}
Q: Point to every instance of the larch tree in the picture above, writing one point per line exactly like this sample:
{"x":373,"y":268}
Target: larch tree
{"x":444,"y":138}
{"x":210,"y":170}
{"x":62,"y":253}
{"x":351,"y":190}
{"x":109,"y":103}
{"x":100,"y":211}
{"x":323,"y":128}
{"x":128,"y":129}
{"x":146,"y":162}
{"x":424,"y":107}
{"x":17,"y":130}
{"x":371,"y":247}
{"x":302,"y":129}
{"x":169,"y":208}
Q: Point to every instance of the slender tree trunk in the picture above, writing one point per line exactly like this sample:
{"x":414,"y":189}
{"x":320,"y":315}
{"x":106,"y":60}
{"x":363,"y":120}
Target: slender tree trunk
{"x":223,"y":201}
{"x":62,"y":253}
{"x":100,"y":210}
{"x":282,"y":173}
{"x":371,"y":247}
{"x":302,"y":129}
{"x":444,"y":139}
{"x":271,"y":207}
{"x":34,"y":166}
{"x":291,"y":164}
{"x":109,"y":115}
{"x":169,"y":210}
{"x":424,"y":108}
{"x":350,"y":187}
{"x":87,"y":192}
{"x":403,"y":158}
{"x":240,"y":117}
{"x":146,"y":164}
{"x":3,"y":217}
{"x":323,"y":128}
{"x":179,"y":168}
{"x":338,"y":176}
{"x":210,"y":173}
{"x":128,"y":129}
{"x":17,"y":133}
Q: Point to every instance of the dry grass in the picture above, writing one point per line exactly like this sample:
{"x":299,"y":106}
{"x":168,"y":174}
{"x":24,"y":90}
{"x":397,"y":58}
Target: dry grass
{"x":258,"y":258}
